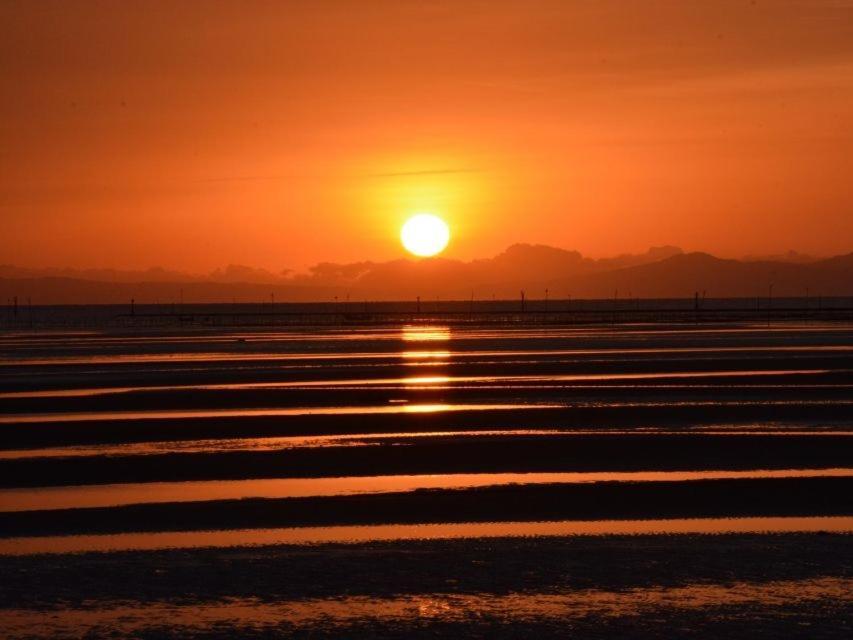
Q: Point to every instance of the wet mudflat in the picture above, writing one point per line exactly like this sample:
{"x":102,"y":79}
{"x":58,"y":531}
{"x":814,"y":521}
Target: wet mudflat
{"x":423,"y":481}
{"x":648,"y":587}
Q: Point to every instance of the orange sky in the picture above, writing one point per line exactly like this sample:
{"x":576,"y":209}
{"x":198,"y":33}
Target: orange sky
{"x":196,"y":134}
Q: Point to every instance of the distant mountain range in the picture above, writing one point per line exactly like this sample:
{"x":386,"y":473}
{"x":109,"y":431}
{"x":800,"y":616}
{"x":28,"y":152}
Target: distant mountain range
{"x":661,"y":272}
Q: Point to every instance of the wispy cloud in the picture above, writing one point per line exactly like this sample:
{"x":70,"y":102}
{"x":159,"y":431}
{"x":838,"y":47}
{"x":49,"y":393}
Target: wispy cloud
{"x":242,"y":178}
{"x":388,"y":174}
{"x":425,"y":172}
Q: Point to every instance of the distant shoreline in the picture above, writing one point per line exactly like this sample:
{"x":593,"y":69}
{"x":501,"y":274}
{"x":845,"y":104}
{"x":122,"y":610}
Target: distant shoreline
{"x":676,"y":311}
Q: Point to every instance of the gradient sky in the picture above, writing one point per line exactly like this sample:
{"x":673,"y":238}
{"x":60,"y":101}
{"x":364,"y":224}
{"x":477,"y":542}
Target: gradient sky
{"x":278,"y":134}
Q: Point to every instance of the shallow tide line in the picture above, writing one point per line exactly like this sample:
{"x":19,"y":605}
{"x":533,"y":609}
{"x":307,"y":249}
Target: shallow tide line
{"x":392,"y":532}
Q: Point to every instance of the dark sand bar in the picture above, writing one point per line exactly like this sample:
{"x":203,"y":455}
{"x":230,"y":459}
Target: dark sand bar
{"x":606,"y":500}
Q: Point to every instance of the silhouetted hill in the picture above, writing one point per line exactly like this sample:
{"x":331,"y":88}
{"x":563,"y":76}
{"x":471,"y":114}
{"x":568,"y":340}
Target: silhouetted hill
{"x":660,"y":273}
{"x":231,"y":273}
{"x":682,"y":275}
{"x":76,"y":291}
{"x":788,"y":256}
{"x":520,"y":266}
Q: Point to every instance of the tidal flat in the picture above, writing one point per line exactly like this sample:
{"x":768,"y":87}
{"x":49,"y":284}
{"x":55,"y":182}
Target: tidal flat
{"x":643,"y":481}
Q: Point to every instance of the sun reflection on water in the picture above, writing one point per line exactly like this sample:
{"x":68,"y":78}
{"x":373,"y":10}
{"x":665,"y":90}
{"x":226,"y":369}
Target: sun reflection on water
{"x":419,"y":380}
{"x":425,"y":334}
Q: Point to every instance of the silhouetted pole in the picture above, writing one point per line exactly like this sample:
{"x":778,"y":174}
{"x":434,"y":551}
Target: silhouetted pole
{"x":807,"y":314}
{"x":769,"y":302}
{"x":15,"y":306}
{"x":522,"y":301}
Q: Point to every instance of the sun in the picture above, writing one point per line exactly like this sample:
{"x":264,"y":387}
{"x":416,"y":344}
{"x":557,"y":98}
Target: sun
{"x":425,"y":235}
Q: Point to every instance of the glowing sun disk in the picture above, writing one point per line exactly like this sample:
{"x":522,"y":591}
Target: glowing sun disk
{"x":425,"y":235}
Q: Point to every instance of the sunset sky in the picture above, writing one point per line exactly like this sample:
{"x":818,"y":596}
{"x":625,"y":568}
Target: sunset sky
{"x":279,"y":134}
